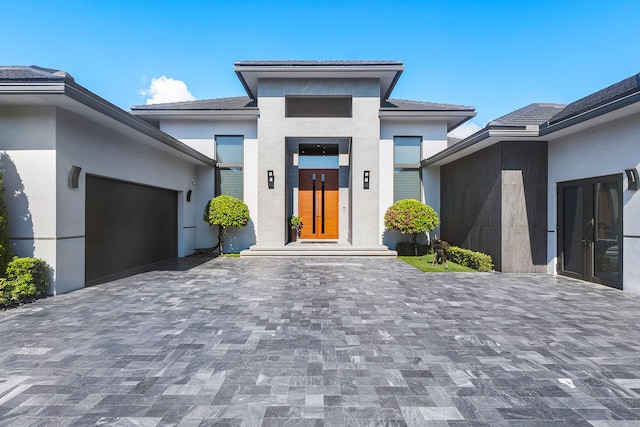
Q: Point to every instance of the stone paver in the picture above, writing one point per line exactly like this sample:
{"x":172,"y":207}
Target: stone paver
{"x":323,"y":342}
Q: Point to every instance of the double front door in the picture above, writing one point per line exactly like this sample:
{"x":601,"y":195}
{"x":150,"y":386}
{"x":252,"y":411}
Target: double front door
{"x":590,"y":229}
{"x":318,"y":203}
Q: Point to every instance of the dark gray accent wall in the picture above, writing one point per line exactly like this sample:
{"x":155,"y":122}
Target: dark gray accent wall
{"x":470,"y":202}
{"x":495,"y":201}
{"x":127,"y":226}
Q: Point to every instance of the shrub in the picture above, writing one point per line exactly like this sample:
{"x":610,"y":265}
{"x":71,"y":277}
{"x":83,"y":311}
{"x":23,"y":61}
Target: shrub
{"x":410,"y":216}
{"x":26,"y":280}
{"x":469,"y":258}
{"x":407,"y":249}
{"x":226,"y":211}
{"x":6,"y":254}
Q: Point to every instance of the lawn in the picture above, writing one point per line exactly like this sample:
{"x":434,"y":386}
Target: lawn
{"x":424,"y":264}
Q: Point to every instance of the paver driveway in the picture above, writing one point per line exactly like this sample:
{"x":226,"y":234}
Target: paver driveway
{"x":326,"y":341}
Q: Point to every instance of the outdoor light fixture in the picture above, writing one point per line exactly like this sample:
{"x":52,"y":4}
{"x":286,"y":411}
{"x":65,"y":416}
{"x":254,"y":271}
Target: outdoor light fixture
{"x":270,"y":179}
{"x":365,"y":181}
{"x":189,"y":196}
{"x":632,"y":178}
{"x":74,"y":176}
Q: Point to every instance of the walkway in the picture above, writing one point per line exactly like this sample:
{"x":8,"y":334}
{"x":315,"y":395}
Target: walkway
{"x":323,"y":342}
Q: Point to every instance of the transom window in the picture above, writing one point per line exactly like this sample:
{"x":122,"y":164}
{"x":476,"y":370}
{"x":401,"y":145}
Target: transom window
{"x":318,"y":106}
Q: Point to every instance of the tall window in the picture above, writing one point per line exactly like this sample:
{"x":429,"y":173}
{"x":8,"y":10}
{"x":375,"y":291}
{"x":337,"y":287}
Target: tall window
{"x":406,"y":177}
{"x":229,"y":171}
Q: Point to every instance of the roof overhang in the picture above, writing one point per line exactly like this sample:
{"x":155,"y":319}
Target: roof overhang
{"x":197,"y":114}
{"x":613,"y":110}
{"x":482,"y":139}
{"x":78,"y":100}
{"x":387,"y":73}
{"x":453,"y":118}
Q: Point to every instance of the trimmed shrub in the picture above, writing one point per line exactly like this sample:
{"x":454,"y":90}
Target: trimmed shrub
{"x":407,"y":249}
{"x":26,"y":280}
{"x":226,"y":211}
{"x":6,"y":253}
{"x":410,"y":216}
{"x":469,"y":258}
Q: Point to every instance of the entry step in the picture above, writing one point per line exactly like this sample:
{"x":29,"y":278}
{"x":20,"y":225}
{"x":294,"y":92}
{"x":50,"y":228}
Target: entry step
{"x":318,"y":249}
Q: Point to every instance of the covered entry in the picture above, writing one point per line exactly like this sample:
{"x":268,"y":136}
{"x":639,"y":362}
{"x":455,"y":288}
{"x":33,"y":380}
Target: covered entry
{"x":127,"y":226}
{"x":590,"y":229}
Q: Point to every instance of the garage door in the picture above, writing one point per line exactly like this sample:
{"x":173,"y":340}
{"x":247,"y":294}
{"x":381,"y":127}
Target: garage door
{"x":127,"y":226}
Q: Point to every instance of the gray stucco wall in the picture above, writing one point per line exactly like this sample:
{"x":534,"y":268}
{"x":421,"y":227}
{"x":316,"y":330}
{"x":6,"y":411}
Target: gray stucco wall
{"x":493,"y":201}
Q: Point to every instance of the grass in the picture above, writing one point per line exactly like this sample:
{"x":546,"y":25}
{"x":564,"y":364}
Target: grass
{"x":231,"y":255}
{"x":424,"y":264}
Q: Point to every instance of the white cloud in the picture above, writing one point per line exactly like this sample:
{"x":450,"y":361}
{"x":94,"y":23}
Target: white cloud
{"x":465,"y":130}
{"x":165,"y":89}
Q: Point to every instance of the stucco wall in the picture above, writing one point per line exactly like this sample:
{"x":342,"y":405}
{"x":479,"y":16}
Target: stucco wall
{"x":28,"y":162}
{"x":606,"y":149}
{"x":434,"y":140}
{"x":363,"y":128}
{"x":200,"y":134}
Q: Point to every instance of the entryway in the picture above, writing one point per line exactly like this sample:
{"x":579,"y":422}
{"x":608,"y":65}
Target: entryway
{"x":590,"y":229}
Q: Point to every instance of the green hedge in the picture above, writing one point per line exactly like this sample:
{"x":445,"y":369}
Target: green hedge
{"x":26,"y":280}
{"x":406,"y":249}
{"x":469,"y":258}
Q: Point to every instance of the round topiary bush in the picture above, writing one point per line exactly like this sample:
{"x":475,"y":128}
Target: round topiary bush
{"x":410,"y":216}
{"x":226,"y":211}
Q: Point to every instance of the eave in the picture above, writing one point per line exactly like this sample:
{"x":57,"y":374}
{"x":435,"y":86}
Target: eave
{"x":249,"y":75}
{"x":453,"y":118}
{"x":75,"y":98}
{"x":482,"y":139}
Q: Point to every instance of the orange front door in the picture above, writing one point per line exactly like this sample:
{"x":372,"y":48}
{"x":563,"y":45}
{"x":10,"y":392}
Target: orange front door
{"x":318,"y":203}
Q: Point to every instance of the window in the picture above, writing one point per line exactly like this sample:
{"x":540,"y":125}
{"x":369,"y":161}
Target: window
{"x":230,"y":163}
{"x":318,"y":106}
{"x":406,"y":177}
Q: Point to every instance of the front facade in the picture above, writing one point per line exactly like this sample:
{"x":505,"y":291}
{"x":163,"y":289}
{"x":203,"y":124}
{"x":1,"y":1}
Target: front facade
{"x":100,"y":192}
{"x":319,"y":140}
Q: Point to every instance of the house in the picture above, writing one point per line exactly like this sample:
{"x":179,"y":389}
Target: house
{"x":551,"y":188}
{"x":322,"y":140}
{"x":98,"y":191}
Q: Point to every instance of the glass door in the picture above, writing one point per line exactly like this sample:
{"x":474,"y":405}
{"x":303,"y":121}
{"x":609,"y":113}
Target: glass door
{"x":590,"y":229}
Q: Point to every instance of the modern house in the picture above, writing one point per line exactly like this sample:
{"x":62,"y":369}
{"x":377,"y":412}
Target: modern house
{"x":97,"y":191}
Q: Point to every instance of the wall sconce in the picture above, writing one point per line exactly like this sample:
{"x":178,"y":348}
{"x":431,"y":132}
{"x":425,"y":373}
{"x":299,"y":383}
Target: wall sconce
{"x":632,"y":178}
{"x":74,"y":176}
{"x":270,"y":179}
{"x":365,"y":180}
{"x":189,"y":196}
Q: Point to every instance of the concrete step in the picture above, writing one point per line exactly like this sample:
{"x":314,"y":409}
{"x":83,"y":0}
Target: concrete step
{"x":318,"y":249}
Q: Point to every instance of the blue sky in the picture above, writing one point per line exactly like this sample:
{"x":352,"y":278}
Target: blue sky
{"x":495,"y":55}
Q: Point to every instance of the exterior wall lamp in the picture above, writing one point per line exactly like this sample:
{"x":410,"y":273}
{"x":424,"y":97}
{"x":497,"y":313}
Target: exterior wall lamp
{"x":365,"y":180}
{"x":74,"y":176}
{"x":189,"y":196}
{"x":270,"y":179}
{"x":632,"y":178}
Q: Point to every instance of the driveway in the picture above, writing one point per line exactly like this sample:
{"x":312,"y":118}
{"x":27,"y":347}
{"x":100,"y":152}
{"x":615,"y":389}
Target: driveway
{"x":323,"y":342}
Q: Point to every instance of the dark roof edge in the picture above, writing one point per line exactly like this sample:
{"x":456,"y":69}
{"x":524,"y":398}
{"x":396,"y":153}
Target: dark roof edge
{"x":393,"y":84}
{"x":481,"y":135}
{"x":245,"y":85}
{"x":599,"y":110}
{"x":94,"y":101}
